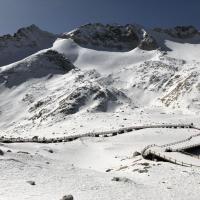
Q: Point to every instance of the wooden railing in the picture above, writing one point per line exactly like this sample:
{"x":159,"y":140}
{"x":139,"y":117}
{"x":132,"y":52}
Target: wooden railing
{"x":187,"y":147}
{"x":146,"y":152}
{"x":172,"y":160}
{"x":90,"y":134}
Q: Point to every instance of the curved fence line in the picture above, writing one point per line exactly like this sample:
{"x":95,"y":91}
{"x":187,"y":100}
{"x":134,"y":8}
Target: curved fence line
{"x":172,"y":160}
{"x":110,"y":133}
{"x":148,"y":153}
{"x":189,"y":154}
{"x":187,"y":147}
{"x":181,"y":141}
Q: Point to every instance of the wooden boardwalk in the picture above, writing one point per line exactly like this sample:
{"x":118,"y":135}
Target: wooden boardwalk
{"x":110,"y":133}
{"x":174,"y":152}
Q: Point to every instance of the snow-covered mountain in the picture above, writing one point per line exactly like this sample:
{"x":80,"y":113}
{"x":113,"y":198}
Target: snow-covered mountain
{"x":112,"y":37}
{"x":97,"y":68}
{"x":99,"y":78}
{"x":23,"y":43}
{"x":163,"y":63}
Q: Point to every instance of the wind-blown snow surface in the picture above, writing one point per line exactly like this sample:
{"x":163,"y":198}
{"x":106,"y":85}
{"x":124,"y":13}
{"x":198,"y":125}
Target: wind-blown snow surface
{"x":86,"y":82}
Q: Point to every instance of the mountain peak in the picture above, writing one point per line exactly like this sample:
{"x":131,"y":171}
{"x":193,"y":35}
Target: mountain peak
{"x":30,"y":28}
{"x":112,"y":37}
{"x":24,"y":42}
{"x":182,"y":32}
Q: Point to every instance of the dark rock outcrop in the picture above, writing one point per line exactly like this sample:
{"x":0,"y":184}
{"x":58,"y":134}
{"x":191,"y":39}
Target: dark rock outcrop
{"x":23,"y":43}
{"x":1,"y":153}
{"x":181,"y":32}
{"x":36,"y":66}
{"x":67,"y":197}
{"x":112,"y":37}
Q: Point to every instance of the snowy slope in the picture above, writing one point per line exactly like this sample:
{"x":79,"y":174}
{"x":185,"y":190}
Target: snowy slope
{"x":104,"y":78}
{"x":79,"y":168}
{"x":166,"y":76}
{"x":97,"y":78}
{"x":46,"y":87}
{"x":30,"y":74}
{"x":180,"y":42}
{"x":23,"y":43}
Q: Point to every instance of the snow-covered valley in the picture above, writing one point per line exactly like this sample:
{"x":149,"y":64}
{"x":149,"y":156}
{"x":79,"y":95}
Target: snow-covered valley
{"x":97,"y":78}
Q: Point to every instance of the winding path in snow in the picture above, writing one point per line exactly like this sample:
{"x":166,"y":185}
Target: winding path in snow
{"x":168,"y":152}
{"x":173,"y":152}
{"x":110,"y":133}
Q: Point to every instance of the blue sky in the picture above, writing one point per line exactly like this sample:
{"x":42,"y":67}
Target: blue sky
{"x":63,"y":15}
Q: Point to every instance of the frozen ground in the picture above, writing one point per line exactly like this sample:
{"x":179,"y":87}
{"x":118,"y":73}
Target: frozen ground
{"x":80,"y":168}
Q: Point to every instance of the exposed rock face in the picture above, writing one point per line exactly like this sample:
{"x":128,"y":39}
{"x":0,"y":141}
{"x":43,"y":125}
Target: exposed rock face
{"x":184,"y":86}
{"x":182,"y":32}
{"x":67,"y":197}
{"x":24,"y":42}
{"x":148,"y":43}
{"x":58,"y":59}
{"x":83,"y":92}
{"x":88,"y":97}
{"x":80,"y":97}
{"x":36,"y":66}
{"x":112,"y":37}
{"x":153,"y":75}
